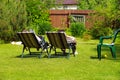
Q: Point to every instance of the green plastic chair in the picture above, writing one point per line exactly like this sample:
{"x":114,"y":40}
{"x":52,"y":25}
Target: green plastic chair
{"x":111,"y":45}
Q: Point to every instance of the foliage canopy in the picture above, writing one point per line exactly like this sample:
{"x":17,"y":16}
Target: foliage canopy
{"x":107,"y":14}
{"x":16,"y":15}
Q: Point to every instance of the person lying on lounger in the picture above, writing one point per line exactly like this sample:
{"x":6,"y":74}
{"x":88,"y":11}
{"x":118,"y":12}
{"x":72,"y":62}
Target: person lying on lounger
{"x":71,"y":40}
{"x":39,"y":38}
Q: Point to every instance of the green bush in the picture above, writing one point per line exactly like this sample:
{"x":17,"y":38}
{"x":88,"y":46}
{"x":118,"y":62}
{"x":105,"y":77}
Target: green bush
{"x":2,"y":42}
{"x":6,"y":34}
{"x":86,"y":35}
{"x":98,"y":31}
{"x":43,"y":27}
{"x":12,"y":19}
{"x":77,"y":29}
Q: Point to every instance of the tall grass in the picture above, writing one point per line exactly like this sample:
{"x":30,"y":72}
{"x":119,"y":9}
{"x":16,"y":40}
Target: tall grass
{"x":81,"y":67}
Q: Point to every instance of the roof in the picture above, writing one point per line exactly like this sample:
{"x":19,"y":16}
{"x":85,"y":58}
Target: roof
{"x":63,"y":12}
{"x":70,"y":2}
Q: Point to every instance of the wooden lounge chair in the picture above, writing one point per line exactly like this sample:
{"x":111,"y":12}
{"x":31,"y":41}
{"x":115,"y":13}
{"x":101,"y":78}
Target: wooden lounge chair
{"x":58,"y":40}
{"x":111,"y":45}
{"x":29,"y":40}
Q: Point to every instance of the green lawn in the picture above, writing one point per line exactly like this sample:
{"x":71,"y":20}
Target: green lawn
{"x":81,"y":67}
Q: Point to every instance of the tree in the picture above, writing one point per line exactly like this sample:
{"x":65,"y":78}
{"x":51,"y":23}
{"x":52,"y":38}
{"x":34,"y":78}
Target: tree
{"x":110,"y":9}
{"x":12,"y":18}
{"x":15,"y":15}
{"x":107,"y":14}
{"x":38,"y":13}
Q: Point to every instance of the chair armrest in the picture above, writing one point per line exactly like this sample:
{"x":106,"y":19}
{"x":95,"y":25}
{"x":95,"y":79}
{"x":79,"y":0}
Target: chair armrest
{"x":104,"y":37}
{"x":41,"y":37}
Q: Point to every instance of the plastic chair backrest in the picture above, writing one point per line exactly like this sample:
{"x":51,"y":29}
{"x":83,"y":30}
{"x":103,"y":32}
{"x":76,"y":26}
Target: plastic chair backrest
{"x":115,"y":35}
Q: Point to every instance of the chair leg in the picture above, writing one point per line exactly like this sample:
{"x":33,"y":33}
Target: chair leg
{"x":55,"y":50}
{"x":68,"y":56}
{"x":99,"y":51}
{"x":23,"y":51}
{"x":48,"y":53}
{"x":41,"y":53}
{"x":73,"y":50}
{"x":64,"y":51}
{"x":50,"y":48}
{"x":113,"y":52}
{"x":29,"y":51}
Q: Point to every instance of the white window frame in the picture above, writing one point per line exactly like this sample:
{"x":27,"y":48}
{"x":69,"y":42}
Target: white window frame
{"x":82,"y":19}
{"x":65,"y":7}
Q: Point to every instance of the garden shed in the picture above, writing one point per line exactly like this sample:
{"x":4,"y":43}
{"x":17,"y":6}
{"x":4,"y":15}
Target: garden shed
{"x":61,"y":18}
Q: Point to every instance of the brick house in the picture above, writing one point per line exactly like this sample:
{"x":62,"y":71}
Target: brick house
{"x":65,"y":4}
{"x":60,"y":16}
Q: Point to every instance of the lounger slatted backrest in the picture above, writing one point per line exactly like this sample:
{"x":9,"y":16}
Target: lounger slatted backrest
{"x":57,"y":39}
{"x":63,"y":40}
{"x":29,"y":39}
{"x":51,"y":38}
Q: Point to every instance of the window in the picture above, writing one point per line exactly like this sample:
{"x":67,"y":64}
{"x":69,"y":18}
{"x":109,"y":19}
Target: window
{"x":78,"y":18}
{"x":65,"y":7}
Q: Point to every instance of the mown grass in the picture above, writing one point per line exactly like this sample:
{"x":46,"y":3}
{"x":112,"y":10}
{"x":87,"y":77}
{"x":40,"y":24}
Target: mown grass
{"x":81,"y":67}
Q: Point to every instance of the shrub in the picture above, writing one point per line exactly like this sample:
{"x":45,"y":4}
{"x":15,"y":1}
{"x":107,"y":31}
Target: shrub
{"x":6,"y":34}
{"x":87,"y":36}
{"x":98,"y":31}
{"x":77,"y":29}
{"x":43,"y":27}
{"x":12,"y":19}
{"x":2,"y":42}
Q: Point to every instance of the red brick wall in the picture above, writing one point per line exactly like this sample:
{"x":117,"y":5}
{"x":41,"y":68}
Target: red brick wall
{"x":59,"y":21}
{"x":59,"y":18}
